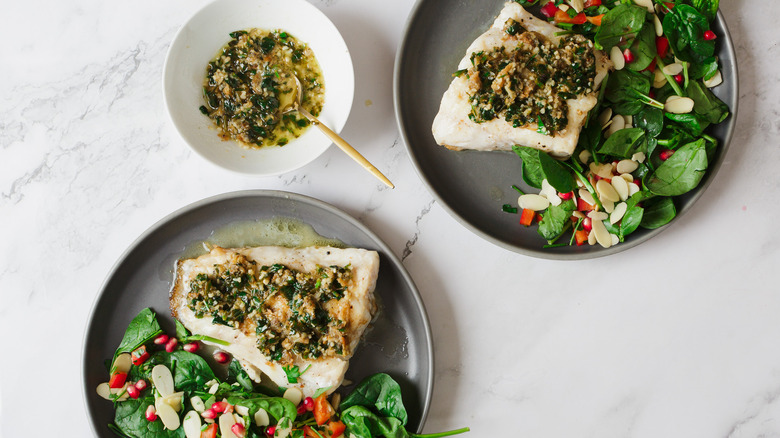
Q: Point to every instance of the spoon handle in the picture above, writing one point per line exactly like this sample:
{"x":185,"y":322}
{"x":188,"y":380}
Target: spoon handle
{"x":346,"y":147}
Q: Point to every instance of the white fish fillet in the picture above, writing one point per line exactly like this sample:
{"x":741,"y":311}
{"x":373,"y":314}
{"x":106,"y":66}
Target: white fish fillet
{"x":452,"y":127}
{"x":358,"y":306}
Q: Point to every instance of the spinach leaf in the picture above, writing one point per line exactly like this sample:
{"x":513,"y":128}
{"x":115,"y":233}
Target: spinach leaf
{"x":650,"y":119}
{"x":618,"y":24}
{"x":130,"y":419}
{"x":643,"y":48}
{"x":707,"y":104}
{"x":658,"y":212}
{"x":362,"y":423}
{"x":623,"y":143}
{"x":380,"y":392}
{"x":277,"y":407}
{"x":532,"y":169}
{"x":684,"y":27}
{"x":142,"y":329}
{"x":190,"y":371}
{"x":681,"y":173}
{"x":709,"y":8}
{"x":705,"y":69}
{"x":691,"y":123}
{"x":625,"y":89}
{"x":236,"y":373}
{"x":555,"y":220}
{"x":556,"y":173}
{"x":634,"y":214}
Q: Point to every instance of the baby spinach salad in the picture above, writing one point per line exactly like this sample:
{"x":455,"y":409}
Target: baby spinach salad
{"x":645,"y":142}
{"x":162,"y":388}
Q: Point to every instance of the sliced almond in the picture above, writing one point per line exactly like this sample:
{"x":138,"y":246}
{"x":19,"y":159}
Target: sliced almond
{"x":585,"y":157}
{"x":531,"y":202}
{"x":646,"y":4}
{"x":261,"y":417}
{"x":226,"y":422}
{"x":683,"y":105}
{"x":615,"y":239}
{"x":173,"y":400}
{"x":633,"y":189}
{"x":591,"y":238}
{"x":616,"y":56}
{"x":550,"y":193}
{"x":659,"y":27}
{"x":169,"y":417}
{"x":639,"y":157}
{"x":629,"y":121}
{"x":620,"y":211}
{"x":618,"y":123}
{"x":104,"y":390}
{"x":191,"y":425}
{"x":605,"y":117}
{"x":603,"y":170}
{"x":578,"y":214}
{"x":598,"y":216}
{"x":627,"y":176}
{"x":626,"y":166}
{"x":295,"y":395}
{"x":659,"y":80}
{"x":122,"y":363}
{"x":606,"y":191}
{"x":673,"y":69}
{"x":563,"y":7}
{"x":602,"y":235}
{"x":197,"y":404}
{"x":621,"y":187}
{"x":608,"y":205}
{"x":586,"y":196}
{"x":162,"y":379}
{"x":242,"y":410}
{"x":577,"y":5}
{"x":714,"y":81}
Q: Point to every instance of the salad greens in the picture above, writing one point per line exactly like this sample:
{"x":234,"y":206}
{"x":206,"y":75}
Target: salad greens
{"x":373,"y":409}
{"x":661,"y":106}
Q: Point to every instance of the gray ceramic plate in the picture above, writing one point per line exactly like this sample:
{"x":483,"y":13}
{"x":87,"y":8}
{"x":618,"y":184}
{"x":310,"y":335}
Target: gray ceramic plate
{"x":399,"y":344}
{"x":473,"y":186}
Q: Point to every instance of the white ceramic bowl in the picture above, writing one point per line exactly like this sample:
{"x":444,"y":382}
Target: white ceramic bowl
{"x":199,"y":40}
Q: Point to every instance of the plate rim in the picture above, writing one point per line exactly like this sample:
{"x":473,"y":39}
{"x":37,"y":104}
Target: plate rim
{"x":540,"y":252}
{"x":271,"y":194}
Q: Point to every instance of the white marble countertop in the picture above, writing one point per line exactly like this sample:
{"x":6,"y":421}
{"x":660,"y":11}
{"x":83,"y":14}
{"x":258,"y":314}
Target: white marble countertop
{"x":677,"y":337}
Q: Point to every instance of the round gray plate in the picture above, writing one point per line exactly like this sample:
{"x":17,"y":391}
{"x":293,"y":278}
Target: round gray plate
{"x":471,"y":185}
{"x":399,"y":344}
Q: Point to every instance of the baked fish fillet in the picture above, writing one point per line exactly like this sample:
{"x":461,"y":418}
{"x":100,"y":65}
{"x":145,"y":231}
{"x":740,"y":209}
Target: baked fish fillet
{"x":452,"y":126}
{"x":281,"y":308}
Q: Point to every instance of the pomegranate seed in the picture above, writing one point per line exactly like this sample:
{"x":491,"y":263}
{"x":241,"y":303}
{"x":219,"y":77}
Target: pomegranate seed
{"x":301,"y":409}
{"x":679,"y":78}
{"x":238,"y":430}
{"x":549,"y":9}
{"x":665,"y":154}
{"x":151,"y":413}
{"x":566,"y":196}
{"x":270,"y":430}
{"x":161,"y":340}
{"x":141,"y":385}
{"x":191,"y":347}
{"x":209,"y":413}
{"x":587,"y":224}
{"x":170,"y":346}
{"x":223,"y":406}
{"x":636,"y":181}
{"x":221,"y":357}
{"x":133,"y":392}
{"x":628,"y":55}
{"x":309,"y":403}
{"x":709,"y":35}
{"x":651,"y":94}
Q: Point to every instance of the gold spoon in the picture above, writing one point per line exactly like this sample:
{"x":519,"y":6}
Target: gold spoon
{"x":340,"y":142}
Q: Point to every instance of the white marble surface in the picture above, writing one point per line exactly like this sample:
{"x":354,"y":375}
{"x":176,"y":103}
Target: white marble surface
{"x":675,"y":338}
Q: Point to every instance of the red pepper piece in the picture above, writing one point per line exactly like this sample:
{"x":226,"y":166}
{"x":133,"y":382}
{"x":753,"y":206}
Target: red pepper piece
{"x":139,"y":355}
{"x":527,"y":217}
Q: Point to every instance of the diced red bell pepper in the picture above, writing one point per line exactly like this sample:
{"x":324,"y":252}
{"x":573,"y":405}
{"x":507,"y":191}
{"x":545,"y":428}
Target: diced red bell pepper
{"x":549,"y":10}
{"x":563,"y":17}
{"x":322,"y":410}
{"x":308,"y":432}
{"x":527,"y":217}
{"x":337,"y":428}
{"x":210,"y":432}
{"x":117,"y":379}
{"x":669,"y":5}
{"x":584,"y":206}
{"x":591,"y":3}
{"x":581,"y":236}
{"x":139,"y":355}
{"x":662,"y":46}
{"x":596,"y":20}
